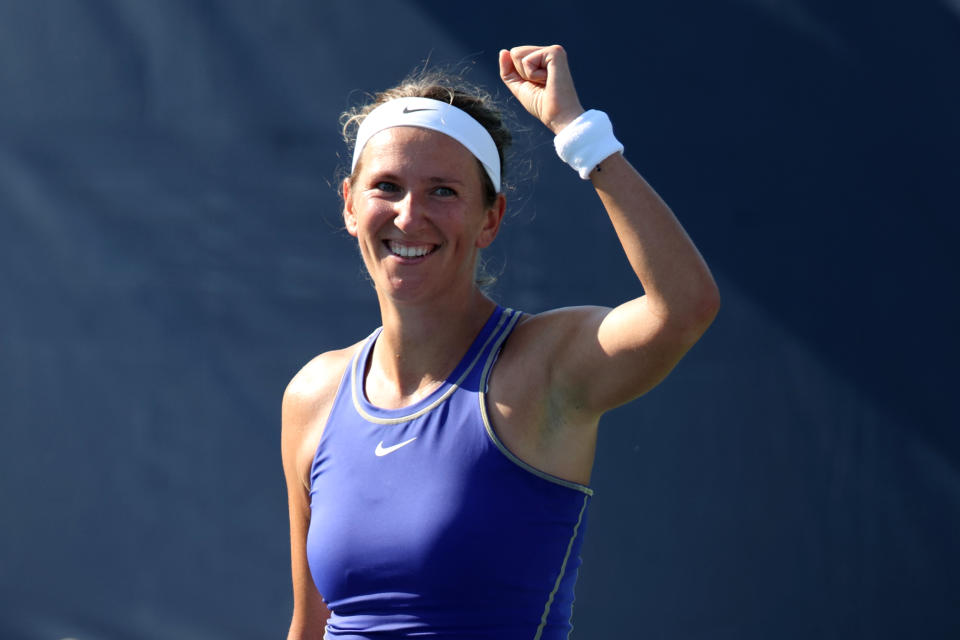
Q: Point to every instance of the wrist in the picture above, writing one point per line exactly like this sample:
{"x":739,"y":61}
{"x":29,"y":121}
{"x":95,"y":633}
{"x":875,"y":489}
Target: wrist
{"x":560,"y":123}
{"x":586,"y":141}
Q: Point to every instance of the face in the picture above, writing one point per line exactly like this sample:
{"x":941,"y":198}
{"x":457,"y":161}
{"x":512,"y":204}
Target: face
{"x":416,"y":207}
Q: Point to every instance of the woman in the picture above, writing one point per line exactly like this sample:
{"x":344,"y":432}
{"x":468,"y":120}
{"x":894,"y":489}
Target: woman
{"x":437,"y":471}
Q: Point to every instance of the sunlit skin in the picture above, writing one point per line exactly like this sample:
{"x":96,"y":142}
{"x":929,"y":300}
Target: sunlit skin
{"x":419,"y":191}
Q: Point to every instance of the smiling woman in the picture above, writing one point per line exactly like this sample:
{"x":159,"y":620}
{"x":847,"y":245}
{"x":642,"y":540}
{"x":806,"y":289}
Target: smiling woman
{"x":416,"y":207}
{"x":438,"y":469}
{"x":425,"y":99}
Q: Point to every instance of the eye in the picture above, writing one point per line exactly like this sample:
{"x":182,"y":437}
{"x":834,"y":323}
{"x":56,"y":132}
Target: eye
{"x":386,"y":186}
{"x":444,"y":192}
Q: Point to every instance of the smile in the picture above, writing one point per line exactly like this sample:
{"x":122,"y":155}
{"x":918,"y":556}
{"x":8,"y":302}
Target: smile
{"x":409,"y":250}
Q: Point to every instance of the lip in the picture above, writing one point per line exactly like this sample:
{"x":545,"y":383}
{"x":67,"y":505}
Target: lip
{"x":428,"y":249}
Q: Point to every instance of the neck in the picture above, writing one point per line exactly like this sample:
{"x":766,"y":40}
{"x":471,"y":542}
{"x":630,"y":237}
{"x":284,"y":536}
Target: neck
{"x":420,"y":345}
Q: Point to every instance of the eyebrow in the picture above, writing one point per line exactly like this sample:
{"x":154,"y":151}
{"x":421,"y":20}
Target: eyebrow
{"x":376,"y":177}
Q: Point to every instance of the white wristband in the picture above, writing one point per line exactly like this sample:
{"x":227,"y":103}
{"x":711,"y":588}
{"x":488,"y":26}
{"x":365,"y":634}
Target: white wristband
{"x":586,"y":142}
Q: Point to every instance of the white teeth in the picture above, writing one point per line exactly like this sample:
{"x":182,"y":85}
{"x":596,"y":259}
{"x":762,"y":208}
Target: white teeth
{"x":405,"y":251}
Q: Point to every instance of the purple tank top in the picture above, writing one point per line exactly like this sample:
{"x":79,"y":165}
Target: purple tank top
{"x":423,"y":524}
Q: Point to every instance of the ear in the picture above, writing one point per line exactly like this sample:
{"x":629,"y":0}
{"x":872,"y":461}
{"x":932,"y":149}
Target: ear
{"x":492,"y":218}
{"x":349,"y":217}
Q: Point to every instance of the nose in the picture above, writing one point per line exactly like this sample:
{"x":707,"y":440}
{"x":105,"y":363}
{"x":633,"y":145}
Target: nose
{"x":409,"y":213}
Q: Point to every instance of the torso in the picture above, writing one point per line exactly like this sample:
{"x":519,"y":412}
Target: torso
{"x":523,"y":413}
{"x":387,"y":529}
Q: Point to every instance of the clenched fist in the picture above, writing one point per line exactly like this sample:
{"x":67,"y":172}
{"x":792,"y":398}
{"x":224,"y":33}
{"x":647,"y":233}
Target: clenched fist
{"x":540,"y":79}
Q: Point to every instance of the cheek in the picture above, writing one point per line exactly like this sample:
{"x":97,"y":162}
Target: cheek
{"x":360,"y":216}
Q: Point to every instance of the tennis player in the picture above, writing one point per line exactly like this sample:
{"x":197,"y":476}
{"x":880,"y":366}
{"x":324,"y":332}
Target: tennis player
{"x":438,"y":470}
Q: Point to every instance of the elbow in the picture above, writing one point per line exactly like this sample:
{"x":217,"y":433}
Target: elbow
{"x":684,"y":318}
{"x":709,"y":305}
{"x":698,"y":314}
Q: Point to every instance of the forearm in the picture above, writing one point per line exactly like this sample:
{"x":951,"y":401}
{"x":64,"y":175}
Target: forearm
{"x":677,"y":282}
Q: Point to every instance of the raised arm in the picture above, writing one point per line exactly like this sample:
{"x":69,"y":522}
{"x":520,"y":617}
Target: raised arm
{"x":601,"y":357}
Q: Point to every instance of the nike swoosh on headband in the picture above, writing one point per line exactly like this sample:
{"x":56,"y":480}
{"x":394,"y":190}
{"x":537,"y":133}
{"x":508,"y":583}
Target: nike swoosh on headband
{"x":382,"y":450}
{"x":437,"y":116}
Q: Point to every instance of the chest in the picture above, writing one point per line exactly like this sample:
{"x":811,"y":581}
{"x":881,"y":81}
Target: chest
{"x":430,"y":506}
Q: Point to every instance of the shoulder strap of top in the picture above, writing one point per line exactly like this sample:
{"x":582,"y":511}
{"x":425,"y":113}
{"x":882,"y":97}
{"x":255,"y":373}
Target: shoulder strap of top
{"x":491,"y":351}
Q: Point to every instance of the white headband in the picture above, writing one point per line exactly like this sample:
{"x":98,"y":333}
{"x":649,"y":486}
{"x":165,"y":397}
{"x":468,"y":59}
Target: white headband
{"x":437,"y":116}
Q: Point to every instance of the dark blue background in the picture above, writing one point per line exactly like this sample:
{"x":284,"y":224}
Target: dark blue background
{"x":170,"y":254}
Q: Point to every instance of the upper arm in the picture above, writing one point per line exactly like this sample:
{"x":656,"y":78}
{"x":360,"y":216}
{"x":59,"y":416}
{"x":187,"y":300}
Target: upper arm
{"x":602,"y":358}
{"x":310,"y":612}
{"x":306,"y":403}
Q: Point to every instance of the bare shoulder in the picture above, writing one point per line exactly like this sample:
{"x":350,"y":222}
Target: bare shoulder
{"x":316,"y":381}
{"x":582,"y":359}
{"x":539,"y":337}
{"x":593,"y":359}
{"x":306,"y":405}
{"x":529,"y":412}
{"x":536,"y":349}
